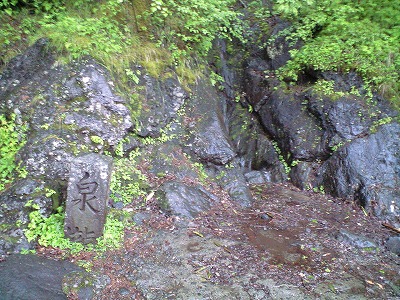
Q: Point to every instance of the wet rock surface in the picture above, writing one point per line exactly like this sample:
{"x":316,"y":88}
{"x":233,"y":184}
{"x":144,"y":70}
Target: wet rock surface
{"x":298,"y":133}
{"x":209,"y":137}
{"x":367,"y":170}
{"x":337,"y":144}
{"x":26,"y":277}
{"x":182,"y":200}
{"x":393,"y":244}
{"x":162,"y":101}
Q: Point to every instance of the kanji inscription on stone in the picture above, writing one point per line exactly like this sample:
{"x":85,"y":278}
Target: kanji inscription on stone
{"x":87,"y":197}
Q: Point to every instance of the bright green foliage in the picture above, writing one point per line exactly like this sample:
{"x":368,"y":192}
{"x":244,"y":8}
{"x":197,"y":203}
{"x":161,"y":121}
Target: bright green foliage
{"x":10,"y":6}
{"x":344,"y":35}
{"x":50,"y":232}
{"x":12,"y":33}
{"x":91,"y":31}
{"x":11,"y":140}
{"x":119,"y":33}
{"x":127,"y":182}
{"x":187,"y":26}
{"x":8,"y":34}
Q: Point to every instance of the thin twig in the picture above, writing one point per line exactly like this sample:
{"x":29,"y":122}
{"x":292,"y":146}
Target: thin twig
{"x":391,"y":227}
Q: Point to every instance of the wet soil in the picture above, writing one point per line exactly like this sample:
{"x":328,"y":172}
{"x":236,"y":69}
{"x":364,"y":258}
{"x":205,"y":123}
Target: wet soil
{"x":289,"y":245}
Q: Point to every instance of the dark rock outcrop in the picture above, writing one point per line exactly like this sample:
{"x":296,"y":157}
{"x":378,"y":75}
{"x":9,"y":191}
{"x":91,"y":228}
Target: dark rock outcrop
{"x":209,"y":139}
{"x":296,"y":131}
{"x":161,"y":101}
{"x":182,"y":200}
{"x":254,"y":148}
{"x":330,"y":139}
{"x":27,"y":277}
{"x":368,"y":170}
{"x":69,"y":109}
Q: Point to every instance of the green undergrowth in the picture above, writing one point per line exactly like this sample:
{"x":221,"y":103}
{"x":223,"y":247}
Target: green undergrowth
{"x":327,"y":88}
{"x":128,"y":183}
{"x":12,"y":138}
{"x":338,"y":35}
{"x":157,"y":34}
{"x":343,"y":36}
{"x":185,"y":26}
{"x":49,"y":231}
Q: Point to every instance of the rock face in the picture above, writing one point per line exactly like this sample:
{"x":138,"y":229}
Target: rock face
{"x":335,"y":142}
{"x":367,"y":170}
{"x":26,"y":277}
{"x":256,"y":131}
{"x":183,"y":200}
{"x":295,"y":130}
{"x":65,"y":106}
{"x":161,"y":102}
{"x":70,"y":109}
{"x":209,"y":139}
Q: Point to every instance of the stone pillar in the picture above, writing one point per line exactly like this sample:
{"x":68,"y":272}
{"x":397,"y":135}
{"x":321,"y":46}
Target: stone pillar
{"x":87,"y":197}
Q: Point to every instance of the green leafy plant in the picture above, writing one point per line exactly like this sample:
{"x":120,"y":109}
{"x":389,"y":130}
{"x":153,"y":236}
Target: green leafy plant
{"x":96,"y":139}
{"x":128,"y":182}
{"x":344,"y":35}
{"x":49,"y":231}
{"x":11,"y":6}
{"x":101,"y":37}
{"x":12,"y":138}
{"x":319,"y":189}
{"x":281,"y":158}
{"x":337,"y":146}
{"x":380,"y":122}
{"x":187,"y":26}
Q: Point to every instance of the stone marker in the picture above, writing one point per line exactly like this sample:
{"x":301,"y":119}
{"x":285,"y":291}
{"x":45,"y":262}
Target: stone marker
{"x":87,"y":197}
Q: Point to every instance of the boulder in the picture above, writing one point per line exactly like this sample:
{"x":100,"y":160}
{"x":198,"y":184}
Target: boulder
{"x":179,"y":199}
{"x":257,"y":177}
{"x":355,"y":240}
{"x":208,"y":135}
{"x":393,"y":244}
{"x":368,"y":170}
{"x":26,"y":277}
{"x":297,"y":131}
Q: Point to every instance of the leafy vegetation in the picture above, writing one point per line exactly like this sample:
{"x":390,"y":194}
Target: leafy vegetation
{"x":10,"y":6}
{"x":339,"y":35}
{"x":198,"y":25}
{"x":118,"y":33}
{"x":127,"y":182}
{"x":11,"y":140}
{"x":344,"y":35}
{"x":50,"y":231}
